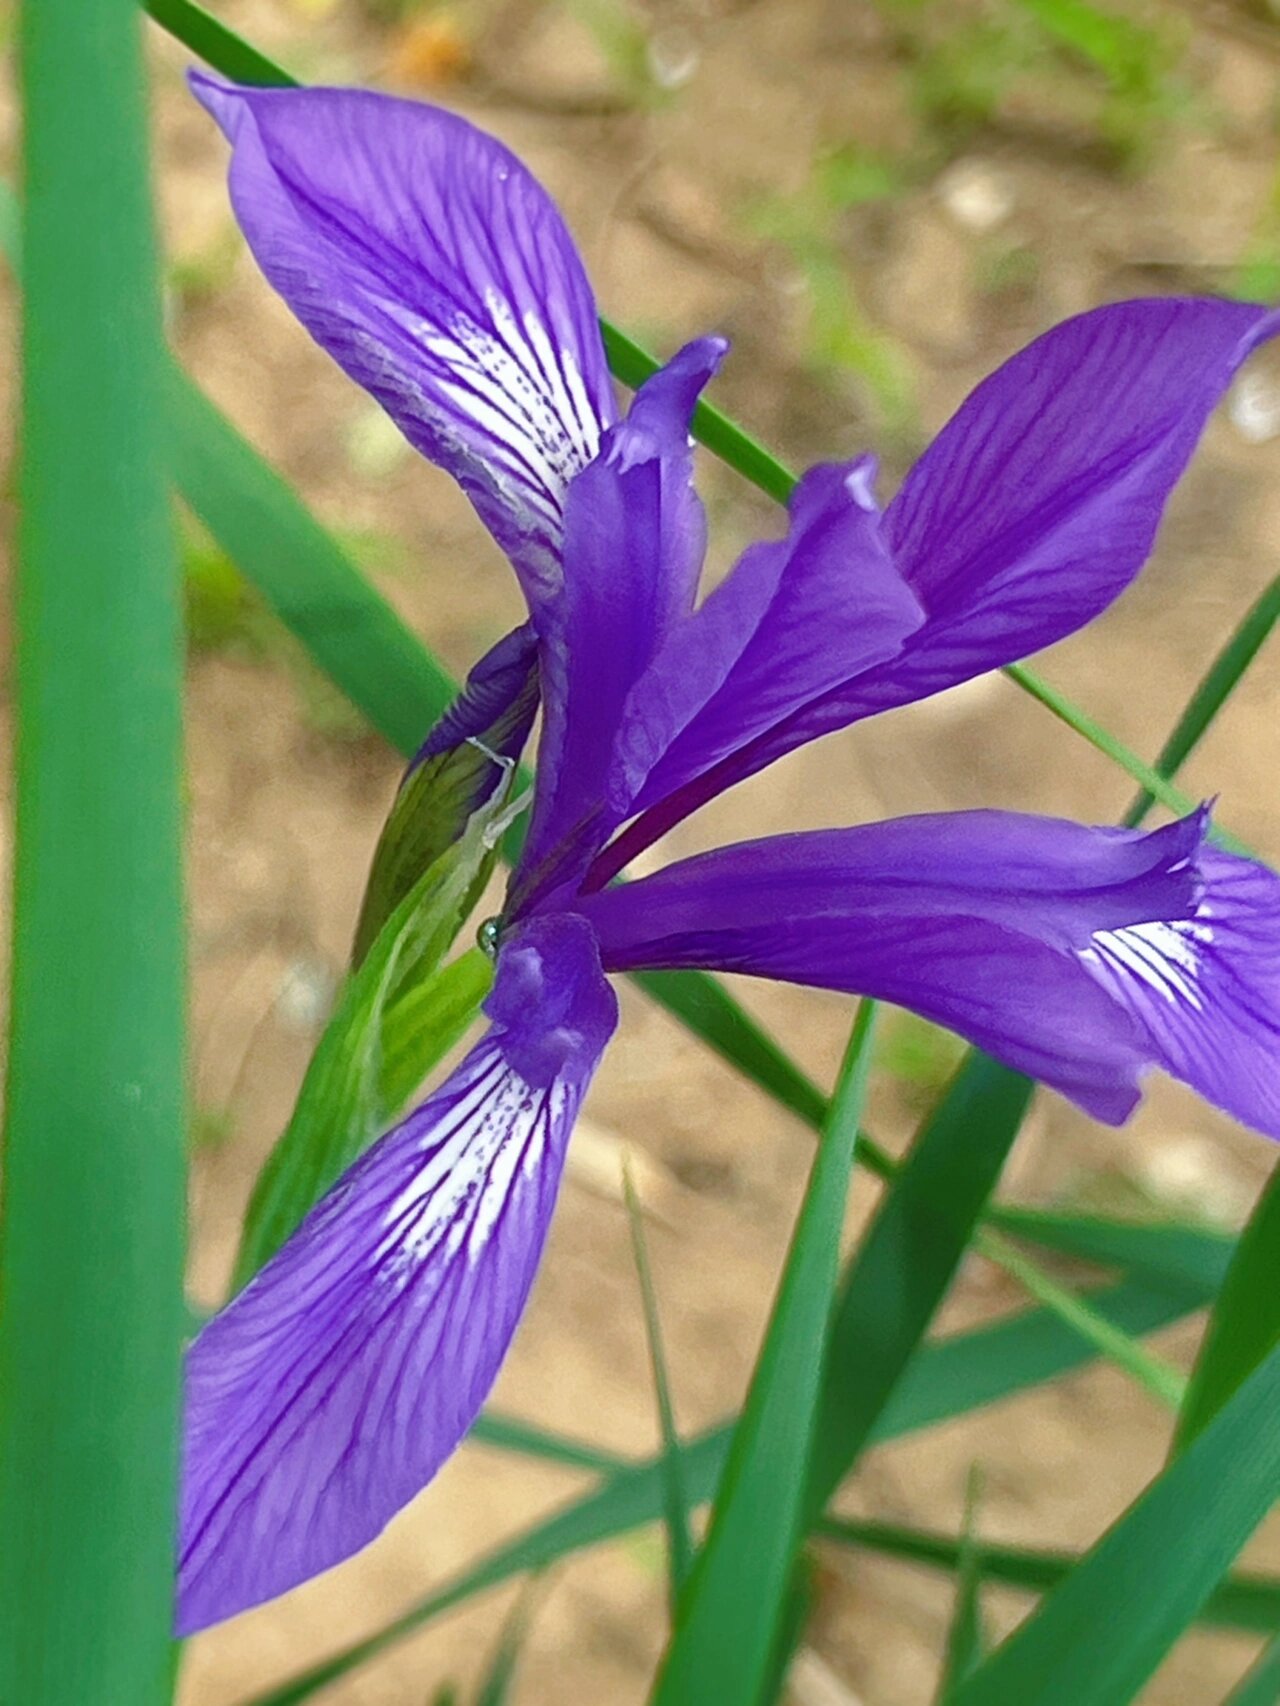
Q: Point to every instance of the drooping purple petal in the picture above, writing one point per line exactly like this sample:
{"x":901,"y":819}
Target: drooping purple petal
{"x":500,"y":690}
{"x":1205,"y":987}
{"x":792,"y":620}
{"x":436,"y":271}
{"x":633,"y":546}
{"x":328,"y":1393}
{"x":1033,"y":509}
{"x":1081,"y":956}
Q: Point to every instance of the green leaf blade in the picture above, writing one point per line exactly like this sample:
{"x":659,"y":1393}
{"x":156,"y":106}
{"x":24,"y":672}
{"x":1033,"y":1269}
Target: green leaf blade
{"x":676,"y":1507}
{"x":909,"y":1256}
{"x":1245,"y":1324}
{"x":1249,"y":1604}
{"x":94,"y":1195}
{"x":729,"y":1616}
{"x":1260,"y":1686}
{"x":1217,"y":684}
{"x":1160,"y":1562}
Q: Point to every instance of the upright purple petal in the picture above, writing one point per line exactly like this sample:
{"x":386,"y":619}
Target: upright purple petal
{"x":436,"y":271}
{"x":1039,"y":501}
{"x":1081,"y":956}
{"x":633,"y":545}
{"x":1032,"y":510}
{"x":792,"y":620}
{"x":328,"y":1393}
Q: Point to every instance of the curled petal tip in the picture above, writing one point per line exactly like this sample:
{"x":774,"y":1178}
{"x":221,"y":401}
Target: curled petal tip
{"x":220,"y":99}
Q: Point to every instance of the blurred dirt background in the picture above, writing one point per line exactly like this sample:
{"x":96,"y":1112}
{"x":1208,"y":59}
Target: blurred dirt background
{"x":877,"y":203}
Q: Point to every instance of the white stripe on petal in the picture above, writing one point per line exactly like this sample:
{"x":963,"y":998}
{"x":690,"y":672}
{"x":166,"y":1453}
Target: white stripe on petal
{"x":1165,"y":956}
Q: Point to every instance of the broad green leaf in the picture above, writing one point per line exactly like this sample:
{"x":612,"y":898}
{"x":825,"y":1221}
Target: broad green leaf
{"x":94,"y":1151}
{"x":1215,"y":687}
{"x":1158,"y":1564}
{"x":349,"y":1095}
{"x":1245,"y":1324}
{"x":1128,"y":1353}
{"x":728,"y":1622}
{"x":424,"y":1021}
{"x":1260,"y":1686}
{"x":675,"y":1506}
{"x":908,"y":1257}
{"x":1247,"y":1603}
{"x":949,"y":1377}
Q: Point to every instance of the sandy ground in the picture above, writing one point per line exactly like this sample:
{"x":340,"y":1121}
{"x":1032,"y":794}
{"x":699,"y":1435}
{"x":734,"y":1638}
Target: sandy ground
{"x":286,"y":803}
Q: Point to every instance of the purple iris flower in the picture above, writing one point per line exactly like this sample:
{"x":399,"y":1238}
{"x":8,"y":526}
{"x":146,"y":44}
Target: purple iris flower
{"x":435,"y":270}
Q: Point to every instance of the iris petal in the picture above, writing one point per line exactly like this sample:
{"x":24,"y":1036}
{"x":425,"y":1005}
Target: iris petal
{"x":791,"y":620}
{"x":634,"y":540}
{"x":1205,"y":987}
{"x":436,"y":271}
{"x":1032,"y":510}
{"x":328,"y":1393}
{"x":1081,"y":956}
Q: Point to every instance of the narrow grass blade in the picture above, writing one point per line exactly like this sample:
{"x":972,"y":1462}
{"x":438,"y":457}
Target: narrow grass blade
{"x":1249,"y":1604}
{"x":1146,"y":774}
{"x":1160,"y":1563}
{"x":955,"y":1376}
{"x":723,"y":438}
{"x":92,"y":1233}
{"x":947,"y":1378}
{"x":909,"y":1256}
{"x":1163,"y":1382}
{"x":506,"y":1433}
{"x":1215,"y":687}
{"x":729,"y":1618}
{"x":966,"y":1640}
{"x":675,"y":1505}
{"x":1166,"y":1250}
{"x":215,"y":43}
{"x":496,"y":1685}
{"x":1260,"y":1686}
{"x":1245,"y":1324}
